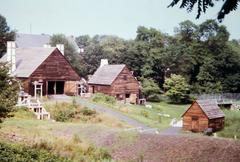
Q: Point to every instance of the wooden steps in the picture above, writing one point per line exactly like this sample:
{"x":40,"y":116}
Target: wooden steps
{"x":35,"y":106}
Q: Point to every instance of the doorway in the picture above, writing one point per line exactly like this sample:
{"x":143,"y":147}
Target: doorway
{"x":55,"y":87}
{"x":195,"y":124}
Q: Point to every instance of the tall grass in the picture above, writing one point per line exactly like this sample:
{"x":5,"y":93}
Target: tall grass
{"x":16,"y":152}
{"x":232,"y":124}
{"x":102,"y":98}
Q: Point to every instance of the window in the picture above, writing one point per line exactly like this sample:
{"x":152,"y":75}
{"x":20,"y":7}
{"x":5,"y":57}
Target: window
{"x":194,"y":117}
{"x":127,"y":95}
{"x":125,"y":77}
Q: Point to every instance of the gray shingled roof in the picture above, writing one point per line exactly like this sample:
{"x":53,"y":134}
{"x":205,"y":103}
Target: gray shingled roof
{"x":28,"y":59}
{"x":32,"y":40}
{"x":210,"y":108}
{"x":106,"y":74}
{"x":38,"y":40}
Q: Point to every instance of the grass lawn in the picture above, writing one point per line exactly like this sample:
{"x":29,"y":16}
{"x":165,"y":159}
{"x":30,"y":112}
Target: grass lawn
{"x":148,"y":116}
{"x":232,"y":124}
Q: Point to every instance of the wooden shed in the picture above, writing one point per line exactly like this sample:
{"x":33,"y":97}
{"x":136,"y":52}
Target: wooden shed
{"x":115,"y":80}
{"x":203,"y":114}
{"x":42,"y":69}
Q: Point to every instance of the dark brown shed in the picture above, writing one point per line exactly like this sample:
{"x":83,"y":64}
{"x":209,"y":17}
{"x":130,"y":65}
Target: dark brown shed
{"x":42,"y":70}
{"x":203,"y":114}
{"x":115,"y":80}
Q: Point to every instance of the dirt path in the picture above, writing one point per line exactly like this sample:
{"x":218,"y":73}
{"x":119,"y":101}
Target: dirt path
{"x":115,"y":114}
{"x":143,"y":128}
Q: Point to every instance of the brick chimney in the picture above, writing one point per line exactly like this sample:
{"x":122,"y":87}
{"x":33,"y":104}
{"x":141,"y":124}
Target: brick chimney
{"x":60,"y":48}
{"x":11,"y":55}
{"x":103,"y":62}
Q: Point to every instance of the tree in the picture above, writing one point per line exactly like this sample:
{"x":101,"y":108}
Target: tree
{"x":8,"y":92}
{"x":150,"y":89}
{"x":100,"y":47}
{"x":5,"y":35}
{"x":177,"y":89}
{"x":202,"y":6}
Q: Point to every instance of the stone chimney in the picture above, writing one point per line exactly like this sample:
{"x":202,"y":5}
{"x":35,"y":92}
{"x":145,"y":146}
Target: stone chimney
{"x":11,"y":55}
{"x":60,"y":48}
{"x":103,"y":62}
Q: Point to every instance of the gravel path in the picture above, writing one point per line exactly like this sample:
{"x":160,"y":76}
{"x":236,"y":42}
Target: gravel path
{"x":115,"y":114}
{"x":142,"y":128}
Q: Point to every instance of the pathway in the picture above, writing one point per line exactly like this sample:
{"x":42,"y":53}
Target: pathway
{"x":115,"y":114}
{"x":138,"y":125}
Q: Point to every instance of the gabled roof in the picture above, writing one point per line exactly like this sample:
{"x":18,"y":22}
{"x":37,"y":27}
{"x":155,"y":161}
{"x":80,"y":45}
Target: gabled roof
{"x":32,"y":40}
{"x":210,"y":108}
{"x":28,"y":59}
{"x":106,"y":74}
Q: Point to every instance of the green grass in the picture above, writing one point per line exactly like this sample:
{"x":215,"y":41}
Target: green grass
{"x":148,"y":116}
{"x":232,"y":124}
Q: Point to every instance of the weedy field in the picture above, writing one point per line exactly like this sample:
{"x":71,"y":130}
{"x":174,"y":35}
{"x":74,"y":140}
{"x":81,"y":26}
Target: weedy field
{"x":81,"y":134}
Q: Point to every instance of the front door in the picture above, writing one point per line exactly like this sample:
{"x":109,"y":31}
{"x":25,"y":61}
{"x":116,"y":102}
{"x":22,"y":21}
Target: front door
{"x":55,"y":87}
{"x":195,"y":124}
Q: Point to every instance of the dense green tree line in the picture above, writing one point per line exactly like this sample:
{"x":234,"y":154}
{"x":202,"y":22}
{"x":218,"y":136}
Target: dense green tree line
{"x":201,"y":53}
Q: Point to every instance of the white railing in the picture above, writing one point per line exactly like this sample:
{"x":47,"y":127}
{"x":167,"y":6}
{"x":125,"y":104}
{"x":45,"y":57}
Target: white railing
{"x":35,"y":107}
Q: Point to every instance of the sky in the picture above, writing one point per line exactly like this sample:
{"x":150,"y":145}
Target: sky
{"x":110,"y":17}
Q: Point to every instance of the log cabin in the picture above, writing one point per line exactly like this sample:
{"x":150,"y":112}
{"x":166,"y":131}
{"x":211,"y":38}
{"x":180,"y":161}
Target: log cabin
{"x":42,"y":70}
{"x":115,"y":80}
{"x":203,"y":114}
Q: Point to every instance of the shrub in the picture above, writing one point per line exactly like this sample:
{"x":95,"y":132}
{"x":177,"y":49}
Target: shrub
{"x":99,"y":97}
{"x":177,"y":89}
{"x":63,"y":114}
{"x":150,"y":90}
{"x":14,"y":153}
{"x":154,"y":98}
{"x":69,"y":112}
{"x":88,"y":112}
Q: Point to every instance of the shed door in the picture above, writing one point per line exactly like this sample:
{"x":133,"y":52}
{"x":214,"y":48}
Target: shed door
{"x":195,"y":124}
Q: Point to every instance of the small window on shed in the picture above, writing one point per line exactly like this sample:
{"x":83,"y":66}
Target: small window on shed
{"x":127,"y":95}
{"x":194,"y":117}
{"x":125,"y":77}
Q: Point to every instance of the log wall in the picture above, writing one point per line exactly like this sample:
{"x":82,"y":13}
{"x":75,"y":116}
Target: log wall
{"x":54,"y":68}
{"x":195,"y":111}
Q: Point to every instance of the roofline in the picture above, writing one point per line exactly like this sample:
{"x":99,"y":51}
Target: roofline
{"x":99,"y":84}
{"x":113,"y":79}
{"x":200,"y":108}
{"x":118,"y":73}
{"x":62,"y":56}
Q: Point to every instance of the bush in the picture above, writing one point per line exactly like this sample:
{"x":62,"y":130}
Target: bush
{"x":102,"y":98}
{"x":151,"y":90}
{"x":177,"y":89}
{"x":88,"y":112}
{"x":14,"y":153}
{"x":68,"y":112}
{"x":154,"y":98}
{"x":63,"y":113}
